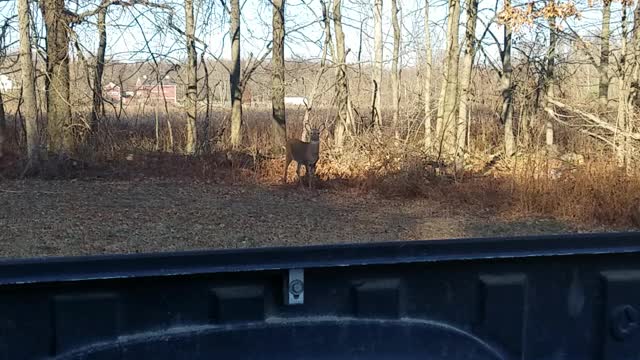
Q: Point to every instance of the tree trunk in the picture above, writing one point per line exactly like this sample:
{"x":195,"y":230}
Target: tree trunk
{"x":622,"y":121}
{"x":465,"y":83}
{"x":323,"y":60}
{"x":192,"y":79}
{"x":57,"y":84}
{"x":550,"y":77}
{"x":395,"y":82}
{"x":603,"y":68}
{"x":234,"y":83}
{"x":157,"y":125}
{"x":357,"y":126}
{"x":342,"y":90}
{"x":209,"y":95}
{"x":377,"y":67}
{"x":97,"y":107}
{"x":507,"y":94}
{"x":635,"y":81}
{"x":29,"y":107}
{"x":523,"y":126}
{"x":3,"y":126}
{"x":279,"y":122}
{"x":427,"y":80}
{"x":449,"y":92}
{"x":3,"y":120}
{"x":634,"y":88}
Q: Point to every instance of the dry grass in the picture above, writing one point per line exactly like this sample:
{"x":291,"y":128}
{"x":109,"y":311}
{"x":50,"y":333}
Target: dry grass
{"x":597,"y":192}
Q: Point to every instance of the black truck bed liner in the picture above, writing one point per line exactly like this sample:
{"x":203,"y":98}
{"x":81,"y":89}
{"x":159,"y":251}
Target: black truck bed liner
{"x":568,"y":297}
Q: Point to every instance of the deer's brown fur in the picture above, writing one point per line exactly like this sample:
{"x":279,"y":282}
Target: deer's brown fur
{"x":304,"y":154}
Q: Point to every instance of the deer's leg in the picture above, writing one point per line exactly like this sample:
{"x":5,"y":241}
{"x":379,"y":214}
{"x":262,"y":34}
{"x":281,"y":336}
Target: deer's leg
{"x":298,"y":173}
{"x":286,"y":166}
{"x":312,"y":173}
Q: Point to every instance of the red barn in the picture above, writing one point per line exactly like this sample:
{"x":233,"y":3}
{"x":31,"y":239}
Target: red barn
{"x":150,"y":90}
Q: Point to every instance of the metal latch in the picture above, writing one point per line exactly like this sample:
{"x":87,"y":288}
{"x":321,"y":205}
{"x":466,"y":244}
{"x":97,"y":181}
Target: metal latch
{"x":294,"y":287}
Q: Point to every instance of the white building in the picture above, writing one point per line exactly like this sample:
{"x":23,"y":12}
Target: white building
{"x":295,"y":100}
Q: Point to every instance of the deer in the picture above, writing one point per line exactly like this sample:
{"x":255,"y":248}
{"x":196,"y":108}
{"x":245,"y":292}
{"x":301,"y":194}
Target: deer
{"x":304,"y":153}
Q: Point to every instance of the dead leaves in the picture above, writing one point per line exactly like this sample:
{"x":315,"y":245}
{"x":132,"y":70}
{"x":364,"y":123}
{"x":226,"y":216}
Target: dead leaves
{"x":516,"y":17}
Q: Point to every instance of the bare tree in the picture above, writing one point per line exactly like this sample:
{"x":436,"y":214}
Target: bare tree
{"x":234,"y":77}
{"x":633,"y":91}
{"x":635,"y":95}
{"x":603,"y":68}
{"x":506,"y":114}
{"x":376,"y":117}
{"x":623,"y":120}
{"x":342,"y":87}
{"x":426,"y":91}
{"x":3,"y":126}
{"x":3,"y":119}
{"x":448,"y":101}
{"x":192,"y":78}
{"x":3,"y":48}
{"x":395,"y":81}
{"x":465,"y":82}
{"x":550,"y":77}
{"x":97,"y":108}
{"x":326,"y":47}
{"x":29,"y":105}
{"x":56,"y":22}
{"x":279,"y":122}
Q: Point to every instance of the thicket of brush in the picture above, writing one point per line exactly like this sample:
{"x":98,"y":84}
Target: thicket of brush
{"x":587,"y":188}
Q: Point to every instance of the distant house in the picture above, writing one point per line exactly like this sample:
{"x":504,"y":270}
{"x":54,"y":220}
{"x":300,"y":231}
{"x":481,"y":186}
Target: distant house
{"x":295,"y":100}
{"x":6,"y":84}
{"x":112,"y":92}
{"x":148,"y":89}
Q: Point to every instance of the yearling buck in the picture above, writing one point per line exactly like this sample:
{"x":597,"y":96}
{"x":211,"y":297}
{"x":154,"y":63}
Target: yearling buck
{"x":304,"y":153}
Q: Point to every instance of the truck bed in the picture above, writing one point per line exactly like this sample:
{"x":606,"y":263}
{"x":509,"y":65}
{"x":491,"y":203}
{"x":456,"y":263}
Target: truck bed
{"x":550,"y":297}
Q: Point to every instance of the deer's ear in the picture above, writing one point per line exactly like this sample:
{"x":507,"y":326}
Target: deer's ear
{"x":322,"y":128}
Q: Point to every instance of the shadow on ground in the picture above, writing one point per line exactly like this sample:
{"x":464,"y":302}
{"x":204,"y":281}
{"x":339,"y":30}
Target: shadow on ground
{"x":56,"y":218}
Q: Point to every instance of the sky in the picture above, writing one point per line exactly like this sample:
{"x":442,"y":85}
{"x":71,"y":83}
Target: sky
{"x":304,"y":29}
{"x":135,"y":32}
{"x":130,"y":29}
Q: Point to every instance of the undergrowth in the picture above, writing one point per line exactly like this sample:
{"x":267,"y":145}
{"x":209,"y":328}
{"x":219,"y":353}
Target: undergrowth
{"x":590,"y":190}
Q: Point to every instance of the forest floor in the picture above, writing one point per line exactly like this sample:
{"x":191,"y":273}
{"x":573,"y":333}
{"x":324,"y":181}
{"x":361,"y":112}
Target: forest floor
{"x":77,"y":217}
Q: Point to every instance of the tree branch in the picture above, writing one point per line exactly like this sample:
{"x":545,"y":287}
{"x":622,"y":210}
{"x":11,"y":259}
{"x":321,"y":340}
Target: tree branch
{"x":248,"y":72}
{"x":594,"y":119}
